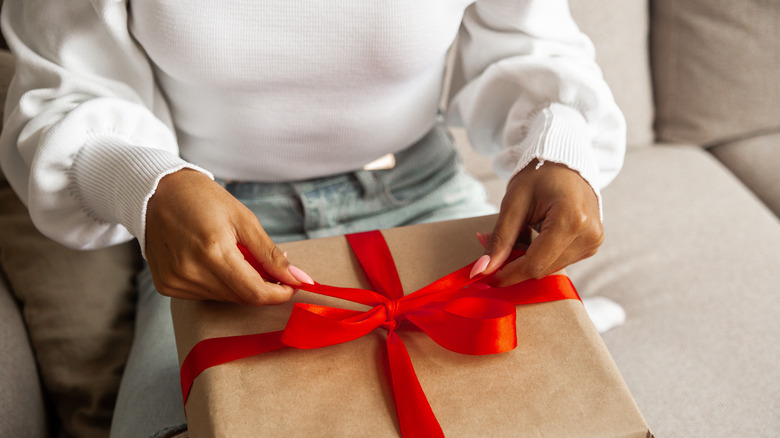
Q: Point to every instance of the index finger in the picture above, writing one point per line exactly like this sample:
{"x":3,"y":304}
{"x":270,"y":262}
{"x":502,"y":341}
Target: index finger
{"x":538,"y":260}
{"x":247,"y":283}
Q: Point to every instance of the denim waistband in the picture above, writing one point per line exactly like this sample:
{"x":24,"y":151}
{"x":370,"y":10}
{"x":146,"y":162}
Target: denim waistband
{"x":433,"y":151}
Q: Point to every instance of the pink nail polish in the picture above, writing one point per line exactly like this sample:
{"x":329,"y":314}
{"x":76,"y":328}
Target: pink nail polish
{"x":300,"y":275}
{"x":479,"y":265}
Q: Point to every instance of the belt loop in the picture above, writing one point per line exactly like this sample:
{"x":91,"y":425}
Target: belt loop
{"x":369,"y":182}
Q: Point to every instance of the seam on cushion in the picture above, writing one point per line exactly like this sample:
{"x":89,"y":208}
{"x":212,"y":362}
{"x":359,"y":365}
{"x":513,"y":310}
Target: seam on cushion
{"x":743,"y":136}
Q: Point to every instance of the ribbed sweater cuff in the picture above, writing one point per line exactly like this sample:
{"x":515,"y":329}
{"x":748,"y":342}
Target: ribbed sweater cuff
{"x":114,"y":181}
{"x":560,"y":134}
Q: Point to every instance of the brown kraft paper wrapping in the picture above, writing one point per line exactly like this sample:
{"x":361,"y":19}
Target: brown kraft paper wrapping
{"x":559,"y":381}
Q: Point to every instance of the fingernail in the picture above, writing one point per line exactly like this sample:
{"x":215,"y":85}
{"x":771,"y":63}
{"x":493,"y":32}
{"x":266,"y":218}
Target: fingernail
{"x":300,"y":275}
{"x":479,"y":265}
{"x":284,"y":254}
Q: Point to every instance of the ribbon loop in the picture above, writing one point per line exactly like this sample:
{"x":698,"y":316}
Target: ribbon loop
{"x":312,"y":326}
{"x":470,"y":325}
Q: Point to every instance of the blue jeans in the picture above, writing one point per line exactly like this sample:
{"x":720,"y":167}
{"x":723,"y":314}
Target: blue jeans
{"x":428,"y":184}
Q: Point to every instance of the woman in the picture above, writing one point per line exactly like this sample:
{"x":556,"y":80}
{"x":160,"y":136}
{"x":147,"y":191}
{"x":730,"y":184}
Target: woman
{"x":196,"y":126}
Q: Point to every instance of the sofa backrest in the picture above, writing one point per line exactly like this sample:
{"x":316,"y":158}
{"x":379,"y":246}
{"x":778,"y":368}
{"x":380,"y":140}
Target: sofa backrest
{"x":716,"y":69}
{"x":619,"y":31}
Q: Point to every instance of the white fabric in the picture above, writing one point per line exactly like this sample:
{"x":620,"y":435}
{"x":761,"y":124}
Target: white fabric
{"x":605,"y":313}
{"x":105,"y":101}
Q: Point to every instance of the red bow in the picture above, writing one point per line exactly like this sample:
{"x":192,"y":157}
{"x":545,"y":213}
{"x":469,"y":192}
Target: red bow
{"x":461,"y":314}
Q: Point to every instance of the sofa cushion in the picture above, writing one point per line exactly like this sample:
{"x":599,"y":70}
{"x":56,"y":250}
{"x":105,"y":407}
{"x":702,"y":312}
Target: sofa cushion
{"x":715,"y":69}
{"x":6,"y":73}
{"x":756,"y":161}
{"x":78,"y":309}
{"x":619,"y":31}
{"x":691,"y":255}
{"x":21,"y":399}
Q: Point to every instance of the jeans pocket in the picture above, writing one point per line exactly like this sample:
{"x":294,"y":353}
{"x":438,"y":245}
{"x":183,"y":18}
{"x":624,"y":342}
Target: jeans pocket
{"x":275,"y":205}
{"x":278,"y":214}
{"x":421,"y":168}
{"x":415,"y":185}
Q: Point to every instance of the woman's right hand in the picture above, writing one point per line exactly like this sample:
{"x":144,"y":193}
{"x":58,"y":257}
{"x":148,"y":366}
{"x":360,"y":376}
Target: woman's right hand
{"x":193,"y":228}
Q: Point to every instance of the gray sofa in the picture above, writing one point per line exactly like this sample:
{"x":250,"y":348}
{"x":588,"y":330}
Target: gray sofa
{"x":692,"y":247}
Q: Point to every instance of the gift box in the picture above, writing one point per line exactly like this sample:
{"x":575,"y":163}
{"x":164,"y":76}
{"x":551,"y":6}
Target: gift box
{"x":402,"y":374}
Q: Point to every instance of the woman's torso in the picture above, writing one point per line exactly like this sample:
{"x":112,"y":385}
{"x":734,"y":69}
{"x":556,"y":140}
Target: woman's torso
{"x":271,"y":91}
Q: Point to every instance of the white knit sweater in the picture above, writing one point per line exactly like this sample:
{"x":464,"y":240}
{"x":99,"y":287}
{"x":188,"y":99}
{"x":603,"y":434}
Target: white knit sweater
{"x":111,"y":95}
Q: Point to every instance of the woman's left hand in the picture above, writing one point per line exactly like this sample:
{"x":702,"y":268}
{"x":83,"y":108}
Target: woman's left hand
{"x":567,"y":210}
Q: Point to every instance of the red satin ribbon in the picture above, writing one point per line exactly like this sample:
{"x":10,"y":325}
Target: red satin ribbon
{"x":461,"y":314}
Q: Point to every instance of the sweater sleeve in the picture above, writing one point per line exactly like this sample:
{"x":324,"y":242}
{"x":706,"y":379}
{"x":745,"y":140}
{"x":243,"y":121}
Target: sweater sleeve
{"x":87,"y":134}
{"x":530,"y":88}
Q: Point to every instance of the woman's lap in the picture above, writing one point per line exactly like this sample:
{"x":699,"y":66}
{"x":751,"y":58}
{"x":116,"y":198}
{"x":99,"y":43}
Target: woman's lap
{"x":428,"y":184}
{"x":149,"y":402}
